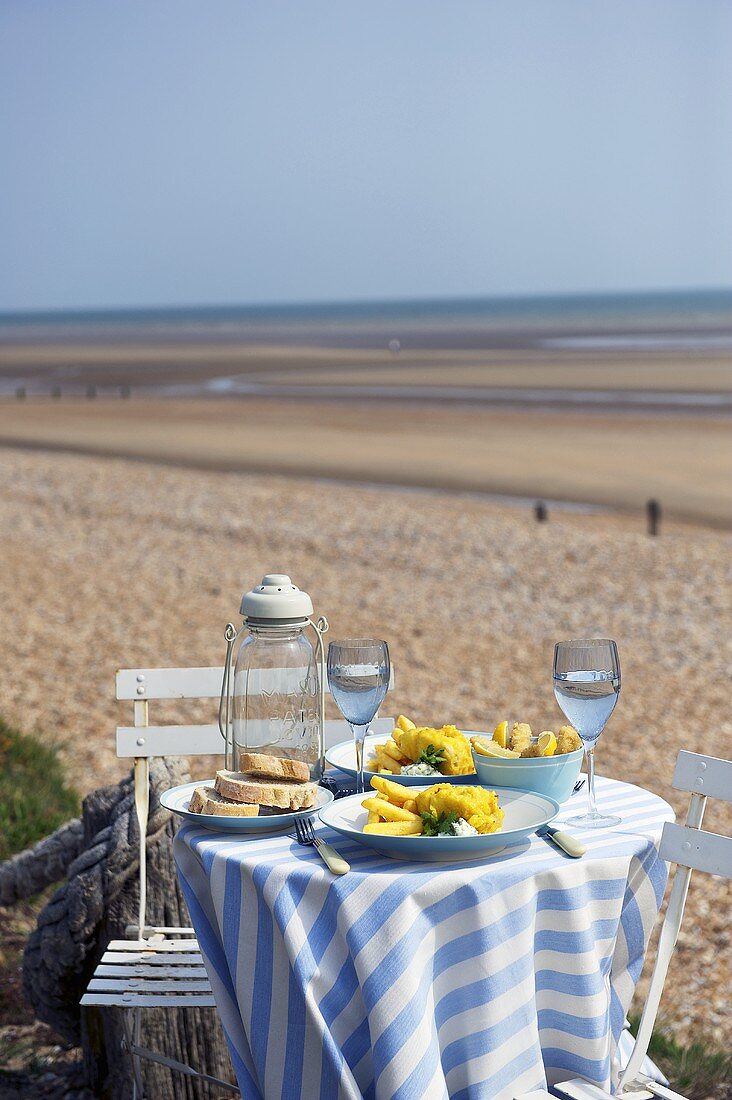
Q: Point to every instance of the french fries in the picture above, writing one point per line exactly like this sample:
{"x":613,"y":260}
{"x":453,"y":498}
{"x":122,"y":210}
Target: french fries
{"x":388,"y":757}
{"x":391,"y":811}
{"x":390,"y":748}
{"x":392,"y":792}
{"x":387,"y":810}
{"x":383,"y":763}
{"x":396,"y":828}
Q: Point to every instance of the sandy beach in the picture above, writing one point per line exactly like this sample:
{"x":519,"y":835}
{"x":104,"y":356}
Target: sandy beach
{"x":579,"y":404}
{"x":616,"y":460}
{"x":110,"y":563}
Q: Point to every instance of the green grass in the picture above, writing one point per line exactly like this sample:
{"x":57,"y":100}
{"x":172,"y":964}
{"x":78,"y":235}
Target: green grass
{"x":697,"y":1071}
{"x":34,"y":799}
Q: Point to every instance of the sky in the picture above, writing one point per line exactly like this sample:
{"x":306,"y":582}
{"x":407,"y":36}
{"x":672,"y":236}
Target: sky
{"x":171,"y":152}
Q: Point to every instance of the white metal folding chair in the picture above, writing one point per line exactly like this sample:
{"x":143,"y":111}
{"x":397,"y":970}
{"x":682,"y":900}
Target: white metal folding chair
{"x":691,"y":849}
{"x":163,"y":967}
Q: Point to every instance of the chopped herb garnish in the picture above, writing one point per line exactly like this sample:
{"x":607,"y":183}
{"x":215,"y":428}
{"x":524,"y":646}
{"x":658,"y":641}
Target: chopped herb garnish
{"x":441,"y":825}
{"x":432,"y":756}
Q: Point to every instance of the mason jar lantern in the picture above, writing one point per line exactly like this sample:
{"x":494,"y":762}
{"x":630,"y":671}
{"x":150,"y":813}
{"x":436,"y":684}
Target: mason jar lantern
{"x":273,"y":689}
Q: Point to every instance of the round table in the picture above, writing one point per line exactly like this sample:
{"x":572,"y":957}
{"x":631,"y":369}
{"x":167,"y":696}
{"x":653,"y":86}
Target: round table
{"x":424,"y":981}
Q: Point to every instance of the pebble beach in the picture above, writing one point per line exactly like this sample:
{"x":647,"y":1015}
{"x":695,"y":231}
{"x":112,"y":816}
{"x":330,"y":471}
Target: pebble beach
{"x":110,"y":563}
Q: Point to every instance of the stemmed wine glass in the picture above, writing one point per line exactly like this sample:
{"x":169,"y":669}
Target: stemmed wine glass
{"x":586,"y":686}
{"x":358,"y":678}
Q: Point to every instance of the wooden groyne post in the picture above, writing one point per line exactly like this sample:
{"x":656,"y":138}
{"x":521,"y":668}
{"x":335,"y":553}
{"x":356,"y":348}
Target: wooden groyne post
{"x":653,"y":514}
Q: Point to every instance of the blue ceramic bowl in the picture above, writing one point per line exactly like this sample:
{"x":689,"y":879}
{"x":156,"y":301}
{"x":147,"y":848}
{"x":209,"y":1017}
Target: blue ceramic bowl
{"x":553,"y":776}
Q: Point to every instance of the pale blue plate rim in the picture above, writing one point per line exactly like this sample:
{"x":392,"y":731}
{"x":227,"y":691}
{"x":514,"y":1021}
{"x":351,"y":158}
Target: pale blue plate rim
{"x":174,"y":796}
{"x":408,"y":847}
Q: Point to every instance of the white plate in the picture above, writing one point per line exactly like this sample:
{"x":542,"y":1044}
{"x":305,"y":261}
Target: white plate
{"x":178,"y":799}
{"x":343,"y":757}
{"x":525,"y":812}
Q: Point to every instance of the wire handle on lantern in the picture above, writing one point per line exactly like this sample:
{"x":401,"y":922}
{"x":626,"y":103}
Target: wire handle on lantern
{"x":321,"y":628}
{"x":230,"y":634}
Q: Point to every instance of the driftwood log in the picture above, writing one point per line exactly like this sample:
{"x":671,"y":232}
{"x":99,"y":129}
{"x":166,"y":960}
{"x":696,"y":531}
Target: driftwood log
{"x":98,"y":855}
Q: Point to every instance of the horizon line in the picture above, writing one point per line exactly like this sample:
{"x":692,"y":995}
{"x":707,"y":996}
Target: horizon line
{"x":339,"y":304}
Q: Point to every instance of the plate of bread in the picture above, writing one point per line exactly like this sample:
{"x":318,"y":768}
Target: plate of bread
{"x":266,"y":795}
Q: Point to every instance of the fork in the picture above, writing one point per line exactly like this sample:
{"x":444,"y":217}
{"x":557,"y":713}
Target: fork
{"x":306,"y":835}
{"x":578,"y":786}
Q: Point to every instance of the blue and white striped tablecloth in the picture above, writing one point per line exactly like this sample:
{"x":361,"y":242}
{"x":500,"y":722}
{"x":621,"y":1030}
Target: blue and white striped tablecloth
{"x":414,"y":981}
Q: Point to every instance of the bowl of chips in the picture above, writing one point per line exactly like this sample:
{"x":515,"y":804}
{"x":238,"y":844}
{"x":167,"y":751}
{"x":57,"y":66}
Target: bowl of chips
{"x":549,"y":763}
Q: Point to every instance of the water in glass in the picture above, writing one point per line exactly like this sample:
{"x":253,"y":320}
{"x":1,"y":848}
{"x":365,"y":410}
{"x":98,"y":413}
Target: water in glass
{"x":586,"y":686}
{"x":587,"y":698}
{"x":358,"y":678}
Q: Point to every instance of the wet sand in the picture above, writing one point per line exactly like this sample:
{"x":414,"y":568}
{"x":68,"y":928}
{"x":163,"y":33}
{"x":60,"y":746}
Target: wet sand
{"x":71,"y":364}
{"x":617,"y":461}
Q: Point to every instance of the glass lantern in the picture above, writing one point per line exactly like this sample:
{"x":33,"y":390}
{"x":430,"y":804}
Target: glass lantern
{"x":272,"y":695}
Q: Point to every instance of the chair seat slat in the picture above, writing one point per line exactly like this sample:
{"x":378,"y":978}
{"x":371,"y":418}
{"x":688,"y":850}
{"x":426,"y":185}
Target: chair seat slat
{"x":131,"y":931}
{"x":177,"y":946}
{"x":150,"y":959}
{"x":149,"y":1000}
{"x":138,"y":970}
{"x":140,"y":985}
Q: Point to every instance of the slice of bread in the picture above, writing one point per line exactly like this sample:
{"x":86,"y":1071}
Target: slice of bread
{"x":207,"y":800}
{"x":265,"y":792}
{"x":274,"y":767}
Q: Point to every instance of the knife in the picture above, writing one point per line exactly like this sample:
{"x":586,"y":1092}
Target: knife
{"x":567,"y":843}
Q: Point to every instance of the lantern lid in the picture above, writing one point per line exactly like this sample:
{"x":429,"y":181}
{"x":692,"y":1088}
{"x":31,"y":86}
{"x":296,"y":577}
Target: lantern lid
{"x":276,"y":599}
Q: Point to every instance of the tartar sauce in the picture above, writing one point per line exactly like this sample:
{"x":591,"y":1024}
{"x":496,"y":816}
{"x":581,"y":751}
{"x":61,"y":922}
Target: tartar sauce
{"x":420,"y":769}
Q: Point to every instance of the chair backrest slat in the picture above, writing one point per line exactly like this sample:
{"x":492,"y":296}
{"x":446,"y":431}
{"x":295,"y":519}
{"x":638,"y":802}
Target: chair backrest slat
{"x":697,"y":849}
{"x":206,"y":739}
{"x":184,"y":683}
{"x":169,"y":683}
{"x":700,"y":774}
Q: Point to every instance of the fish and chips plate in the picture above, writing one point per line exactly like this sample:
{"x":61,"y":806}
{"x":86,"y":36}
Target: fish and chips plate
{"x":439,"y":822}
{"x":343,"y":757}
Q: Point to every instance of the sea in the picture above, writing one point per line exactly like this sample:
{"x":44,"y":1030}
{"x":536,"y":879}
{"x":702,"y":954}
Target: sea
{"x":663,"y":318}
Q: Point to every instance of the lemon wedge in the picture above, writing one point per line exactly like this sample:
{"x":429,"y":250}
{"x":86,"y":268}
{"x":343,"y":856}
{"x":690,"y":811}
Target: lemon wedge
{"x":492,"y":748}
{"x":547,"y":743}
{"x":500,"y":734}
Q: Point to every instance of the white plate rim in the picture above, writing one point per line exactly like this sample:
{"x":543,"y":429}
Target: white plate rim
{"x":270,"y":822}
{"x":408,"y":780}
